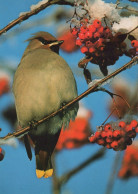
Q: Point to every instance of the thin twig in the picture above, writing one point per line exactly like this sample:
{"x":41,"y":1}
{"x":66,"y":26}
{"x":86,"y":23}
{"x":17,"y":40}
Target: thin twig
{"x":33,"y":12}
{"x":112,"y":176}
{"x":64,"y":178}
{"x":68,"y":105}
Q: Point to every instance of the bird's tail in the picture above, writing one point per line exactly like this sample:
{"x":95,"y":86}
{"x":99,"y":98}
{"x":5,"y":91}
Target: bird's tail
{"x":44,"y":147}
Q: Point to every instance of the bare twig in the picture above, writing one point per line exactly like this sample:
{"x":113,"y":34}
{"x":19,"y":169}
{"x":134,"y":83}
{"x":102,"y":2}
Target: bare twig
{"x":94,"y":157}
{"x":112,"y":176}
{"x":33,"y":12}
{"x":68,"y":105}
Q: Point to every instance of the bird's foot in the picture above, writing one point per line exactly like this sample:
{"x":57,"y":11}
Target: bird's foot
{"x":33,"y":124}
{"x":64,"y":110}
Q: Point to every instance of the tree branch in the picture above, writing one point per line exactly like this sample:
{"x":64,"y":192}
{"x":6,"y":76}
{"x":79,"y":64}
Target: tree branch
{"x":92,"y":89}
{"x":34,"y":12}
{"x":64,"y":178}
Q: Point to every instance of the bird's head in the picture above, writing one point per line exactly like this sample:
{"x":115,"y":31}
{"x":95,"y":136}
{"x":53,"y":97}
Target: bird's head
{"x":43,"y":40}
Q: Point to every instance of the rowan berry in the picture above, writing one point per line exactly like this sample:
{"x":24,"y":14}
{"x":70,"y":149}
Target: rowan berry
{"x":92,"y":139}
{"x":134,"y":43}
{"x":114,"y":144}
{"x":74,"y":31}
{"x":109,"y":133}
{"x":83,"y":29}
{"x":88,"y":43}
{"x":107,"y":127}
{"x":134,"y":123}
{"x":101,"y":30}
{"x":103,"y":134}
{"x":100,"y":141}
{"x":78,"y":42}
{"x":97,"y":23}
{"x":84,"y":49}
{"x":109,"y":140}
{"x":116,"y":133}
{"x":108,"y":145}
{"x":92,"y":28}
{"x":96,"y":35}
{"x":88,"y":35}
{"x":92,"y":50}
{"x":81,"y":36}
{"x":97,"y":134}
{"x":122,"y":124}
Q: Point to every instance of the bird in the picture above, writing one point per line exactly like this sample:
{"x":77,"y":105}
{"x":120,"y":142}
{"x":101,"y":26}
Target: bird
{"x":43,"y":83}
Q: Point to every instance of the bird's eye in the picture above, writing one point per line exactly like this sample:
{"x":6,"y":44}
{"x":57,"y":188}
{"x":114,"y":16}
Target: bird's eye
{"x":42,"y":40}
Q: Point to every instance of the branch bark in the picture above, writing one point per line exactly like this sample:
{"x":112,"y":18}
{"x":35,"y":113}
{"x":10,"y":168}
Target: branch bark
{"x":64,"y":178}
{"x":34,"y":12}
{"x":92,"y":89}
{"x":58,"y":182}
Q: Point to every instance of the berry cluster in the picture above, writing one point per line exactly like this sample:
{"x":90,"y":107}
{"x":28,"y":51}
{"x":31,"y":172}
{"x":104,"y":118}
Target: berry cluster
{"x":4,"y":85}
{"x":129,"y":166}
{"x":75,"y":136}
{"x":98,"y":41}
{"x":116,"y":138}
{"x":2,"y":153}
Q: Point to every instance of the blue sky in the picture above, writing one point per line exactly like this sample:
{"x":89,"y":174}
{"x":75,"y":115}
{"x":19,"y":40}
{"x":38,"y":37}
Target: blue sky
{"x":17,"y":173}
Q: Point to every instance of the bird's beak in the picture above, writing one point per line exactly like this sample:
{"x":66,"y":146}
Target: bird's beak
{"x":57,"y":42}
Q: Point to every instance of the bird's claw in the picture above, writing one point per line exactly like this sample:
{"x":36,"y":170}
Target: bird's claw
{"x":33,"y":124}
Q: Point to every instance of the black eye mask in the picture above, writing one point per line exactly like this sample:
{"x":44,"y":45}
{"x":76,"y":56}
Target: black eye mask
{"x":45,"y":42}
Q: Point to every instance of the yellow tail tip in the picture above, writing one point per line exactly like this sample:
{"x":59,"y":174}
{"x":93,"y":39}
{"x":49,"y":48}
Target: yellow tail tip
{"x":40,"y":173}
{"x":48,"y":173}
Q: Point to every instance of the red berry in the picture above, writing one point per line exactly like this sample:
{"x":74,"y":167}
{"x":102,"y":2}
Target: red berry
{"x":74,"y":31}
{"x":83,"y":29}
{"x":88,"y":35}
{"x":88,"y":43}
{"x":78,"y":42}
{"x":81,"y":36}
{"x":109,"y":133}
{"x":134,"y":43}
{"x":92,"y":28}
{"x":116,"y":133}
{"x":96,"y":35}
{"x":109,"y":140}
{"x":84,"y":49}
{"x":91,"y":50}
{"x":107,"y":127}
{"x":101,"y":30}
{"x":128,"y":128}
{"x":100,"y":42}
{"x":134,"y":123}
{"x":122,"y":124}
{"x":97,"y":134}
{"x":97,"y":23}
{"x":104,"y":134}
{"x":108,"y":145}
{"x":101,"y":141}
{"x":114,"y":144}
{"x":92,"y":139}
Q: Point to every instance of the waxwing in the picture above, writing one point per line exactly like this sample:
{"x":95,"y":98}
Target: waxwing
{"x":43,"y":83}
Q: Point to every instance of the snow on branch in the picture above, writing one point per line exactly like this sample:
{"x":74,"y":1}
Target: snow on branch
{"x":92,"y":89}
{"x":34,"y":10}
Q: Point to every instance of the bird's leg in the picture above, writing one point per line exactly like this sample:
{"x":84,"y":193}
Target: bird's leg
{"x":33,"y":124}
